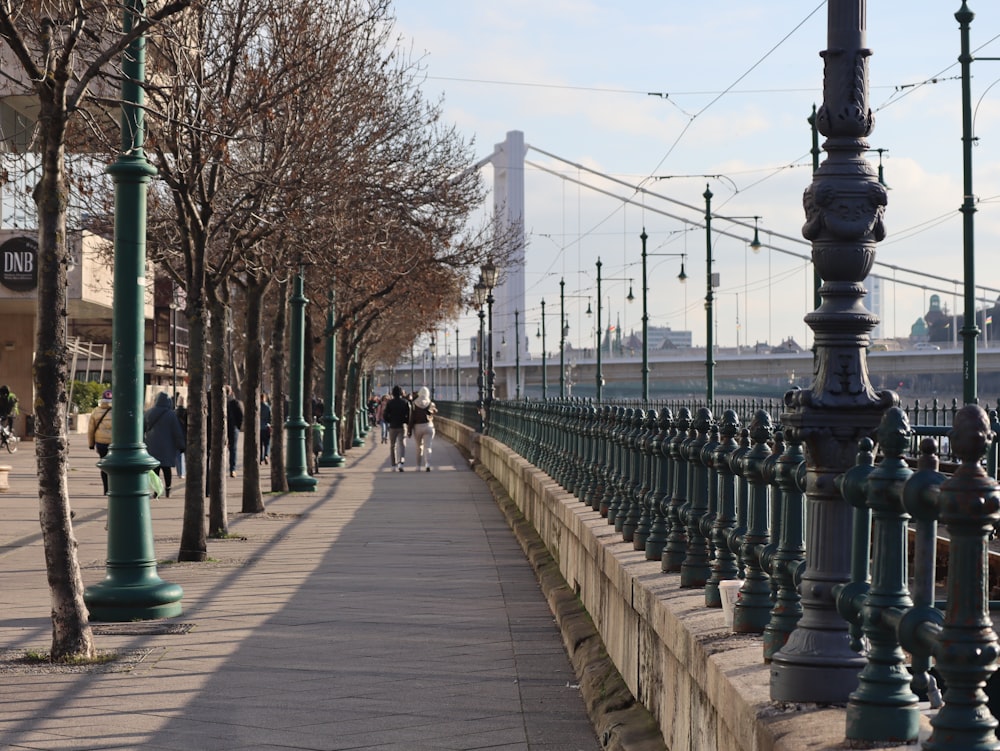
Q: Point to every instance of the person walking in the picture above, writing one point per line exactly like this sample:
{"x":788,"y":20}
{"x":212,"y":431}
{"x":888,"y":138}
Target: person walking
{"x":8,"y":407}
{"x":182,"y":417}
{"x":163,"y":436}
{"x":380,"y":417}
{"x":99,"y":431}
{"x":316,"y":431}
{"x":421,"y":425}
{"x":397,"y":416}
{"x":234,"y":424}
{"x":265,"y":429}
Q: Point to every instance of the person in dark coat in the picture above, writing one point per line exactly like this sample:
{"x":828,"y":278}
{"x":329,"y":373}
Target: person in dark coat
{"x":164,"y":436}
{"x":234,"y":424}
{"x":265,"y":428}
{"x":397,"y":415}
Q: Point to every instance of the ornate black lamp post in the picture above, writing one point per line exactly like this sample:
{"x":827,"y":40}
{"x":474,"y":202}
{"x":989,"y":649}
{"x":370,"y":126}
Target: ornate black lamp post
{"x":844,"y":208}
{"x":600,"y":375}
{"x":682,"y":277}
{"x":564,"y":332}
{"x":600,"y":332}
{"x":412,"y":386}
{"x":489,"y":278}
{"x":970,"y":330}
{"x":433,"y":349}
{"x":562,"y":338}
{"x":711,"y":282}
{"x":517,"y":355}
{"x":545,"y":367}
{"x":478,"y":301}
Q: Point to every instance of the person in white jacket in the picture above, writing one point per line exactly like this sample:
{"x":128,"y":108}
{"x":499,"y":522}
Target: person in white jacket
{"x":422,"y":414}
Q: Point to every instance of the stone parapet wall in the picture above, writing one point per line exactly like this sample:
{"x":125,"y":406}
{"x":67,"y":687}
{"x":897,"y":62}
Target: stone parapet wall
{"x":707,"y":688}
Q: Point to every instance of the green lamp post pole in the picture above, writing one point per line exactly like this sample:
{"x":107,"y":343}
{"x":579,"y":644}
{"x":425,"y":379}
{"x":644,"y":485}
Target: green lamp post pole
{"x":489,"y":274}
{"x":645,"y":323}
{"x":132,"y":589}
{"x":458,"y":370}
{"x":970,"y":331}
{"x":681,"y":277}
{"x":545,"y":369}
{"x":709,"y":297}
{"x":331,"y":456}
{"x":356,"y":387}
{"x":433,"y":348}
{"x":296,"y":472}
{"x":600,"y":376}
{"x":517,"y":355}
{"x":562,"y":338}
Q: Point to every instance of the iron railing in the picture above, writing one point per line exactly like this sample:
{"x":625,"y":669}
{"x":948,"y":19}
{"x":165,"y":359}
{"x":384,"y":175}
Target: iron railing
{"x":717,"y":499}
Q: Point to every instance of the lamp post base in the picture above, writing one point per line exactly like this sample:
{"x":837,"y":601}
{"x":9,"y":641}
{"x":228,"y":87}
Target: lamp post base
{"x":115,"y":601}
{"x":820,"y":680}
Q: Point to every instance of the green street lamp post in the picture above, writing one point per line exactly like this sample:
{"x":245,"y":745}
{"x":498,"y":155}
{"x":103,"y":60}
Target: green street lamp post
{"x":970,"y":330}
{"x":296,"y":470}
{"x":433,"y":348}
{"x":709,"y":298}
{"x":600,"y":333}
{"x":355,"y":386}
{"x":564,"y":332}
{"x":517,"y":355}
{"x":479,"y":301}
{"x":599,"y":377}
{"x":682,"y":277}
{"x":458,"y":370}
{"x":710,"y":283}
{"x":545,"y":369}
{"x":331,"y":456}
{"x":131,"y":589}
{"x":562,"y":338}
{"x":489,"y":273}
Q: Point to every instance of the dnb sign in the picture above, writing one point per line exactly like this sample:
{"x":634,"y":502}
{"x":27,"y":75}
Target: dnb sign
{"x":19,"y":264}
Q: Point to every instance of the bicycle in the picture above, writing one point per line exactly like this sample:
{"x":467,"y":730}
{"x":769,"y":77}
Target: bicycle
{"x":8,"y":439}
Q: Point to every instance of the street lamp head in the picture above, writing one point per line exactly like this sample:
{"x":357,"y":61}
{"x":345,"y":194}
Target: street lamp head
{"x":590,"y":312}
{"x":490,"y":273}
{"x":630,"y":297}
{"x":479,"y":292}
{"x":755,"y":245}
{"x":682,"y":277}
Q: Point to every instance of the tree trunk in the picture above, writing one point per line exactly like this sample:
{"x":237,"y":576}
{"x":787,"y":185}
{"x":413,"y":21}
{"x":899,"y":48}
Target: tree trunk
{"x":194,"y":544}
{"x":279,"y":480}
{"x":71,"y":632}
{"x":218,"y":462}
{"x":253,"y":501}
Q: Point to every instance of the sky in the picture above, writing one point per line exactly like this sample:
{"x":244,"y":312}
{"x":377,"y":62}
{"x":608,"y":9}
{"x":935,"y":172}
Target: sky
{"x":734,"y":84}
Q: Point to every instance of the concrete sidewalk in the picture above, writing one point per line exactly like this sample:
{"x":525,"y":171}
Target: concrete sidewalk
{"x":386,"y":610}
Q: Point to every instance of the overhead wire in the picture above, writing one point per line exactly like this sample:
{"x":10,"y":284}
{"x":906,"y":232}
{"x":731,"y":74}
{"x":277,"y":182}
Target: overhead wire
{"x":728,"y":89}
{"x":638,"y":190}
